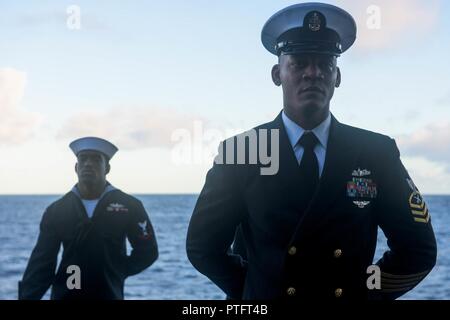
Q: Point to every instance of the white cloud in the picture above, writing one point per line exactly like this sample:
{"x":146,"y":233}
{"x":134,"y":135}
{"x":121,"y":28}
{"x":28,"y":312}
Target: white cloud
{"x":400,"y":20}
{"x":431,"y":142}
{"x":426,"y":155}
{"x":128,"y":128}
{"x":16,"y":125}
{"x":444,"y":100}
{"x":430,"y":177}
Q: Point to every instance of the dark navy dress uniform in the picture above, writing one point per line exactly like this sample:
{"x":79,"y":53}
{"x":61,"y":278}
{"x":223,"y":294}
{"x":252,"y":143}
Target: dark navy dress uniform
{"x":96,"y":244}
{"x":295,"y":248}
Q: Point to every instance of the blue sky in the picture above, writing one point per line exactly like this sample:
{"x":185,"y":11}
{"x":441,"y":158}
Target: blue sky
{"x":140,"y":70}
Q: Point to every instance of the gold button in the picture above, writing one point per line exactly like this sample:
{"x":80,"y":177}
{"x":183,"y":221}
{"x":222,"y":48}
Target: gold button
{"x":337,"y":253}
{"x":292,"y":250}
{"x":291,"y":291}
{"x":338,"y":292}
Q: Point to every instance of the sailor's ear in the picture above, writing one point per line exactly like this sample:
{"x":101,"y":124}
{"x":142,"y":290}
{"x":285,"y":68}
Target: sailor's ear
{"x":108,"y":167}
{"x":338,"y":78}
{"x":276,"y":75}
{"x":76,"y":167}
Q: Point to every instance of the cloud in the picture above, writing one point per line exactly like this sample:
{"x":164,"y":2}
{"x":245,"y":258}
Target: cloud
{"x":129,"y":128}
{"x":426,"y":156}
{"x":431,"y":142}
{"x":16,"y":125}
{"x":400,"y":20}
{"x":444,"y":101}
{"x":429,"y":176}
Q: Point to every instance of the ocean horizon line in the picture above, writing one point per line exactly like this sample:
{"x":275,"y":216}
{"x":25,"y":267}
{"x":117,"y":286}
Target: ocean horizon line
{"x":131,"y":193}
{"x":161,"y":194}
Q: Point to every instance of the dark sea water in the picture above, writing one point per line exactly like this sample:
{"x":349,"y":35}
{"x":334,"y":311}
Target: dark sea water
{"x":172,"y":276}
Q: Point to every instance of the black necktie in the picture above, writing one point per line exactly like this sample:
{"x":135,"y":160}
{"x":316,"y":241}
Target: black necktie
{"x":309,"y":166}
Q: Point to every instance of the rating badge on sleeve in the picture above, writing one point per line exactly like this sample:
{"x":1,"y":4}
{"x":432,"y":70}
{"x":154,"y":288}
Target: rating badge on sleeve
{"x":417,"y":205}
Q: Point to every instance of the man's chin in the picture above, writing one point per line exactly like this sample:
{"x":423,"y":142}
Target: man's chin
{"x":309,"y":110}
{"x":88,"y":180}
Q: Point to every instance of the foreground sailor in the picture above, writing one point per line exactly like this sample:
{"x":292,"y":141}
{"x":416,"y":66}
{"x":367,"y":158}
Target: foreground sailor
{"x":310,"y":230}
{"x":92,"y":222}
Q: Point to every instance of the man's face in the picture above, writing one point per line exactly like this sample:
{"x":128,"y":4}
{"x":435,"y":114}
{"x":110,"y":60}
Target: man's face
{"x":91,"y":167}
{"x":308,"y":82}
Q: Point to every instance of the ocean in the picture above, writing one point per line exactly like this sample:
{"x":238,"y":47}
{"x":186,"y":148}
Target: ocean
{"x":172,"y":276}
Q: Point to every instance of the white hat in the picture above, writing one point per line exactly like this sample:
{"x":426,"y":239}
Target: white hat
{"x":309,"y":27}
{"x":94,"y":144}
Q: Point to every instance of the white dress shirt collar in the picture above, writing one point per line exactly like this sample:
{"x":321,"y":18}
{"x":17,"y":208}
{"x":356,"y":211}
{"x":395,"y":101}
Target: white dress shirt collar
{"x":294,"y":131}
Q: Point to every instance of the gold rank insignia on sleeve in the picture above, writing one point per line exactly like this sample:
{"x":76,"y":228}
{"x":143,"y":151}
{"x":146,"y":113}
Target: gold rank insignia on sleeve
{"x":417,"y":204}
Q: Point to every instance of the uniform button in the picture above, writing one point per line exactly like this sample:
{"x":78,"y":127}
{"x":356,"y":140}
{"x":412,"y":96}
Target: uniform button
{"x":337,"y":253}
{"x":292,"y":250}
{"x":291,"y":291}
{"x":338,"y":292}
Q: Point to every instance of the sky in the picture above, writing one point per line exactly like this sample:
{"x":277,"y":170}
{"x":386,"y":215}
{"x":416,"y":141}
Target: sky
{"x":167,"y":80}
